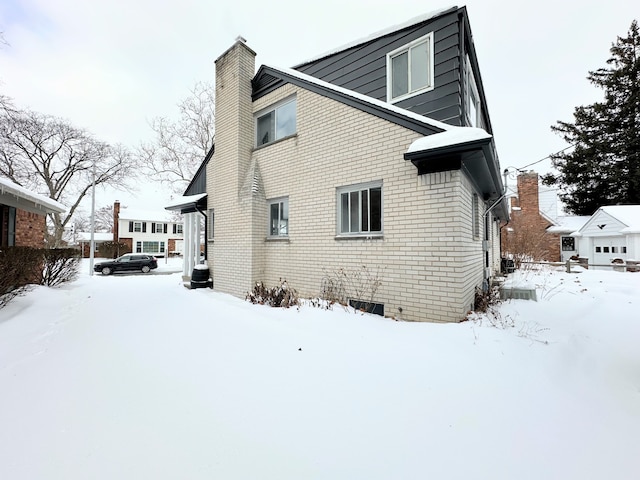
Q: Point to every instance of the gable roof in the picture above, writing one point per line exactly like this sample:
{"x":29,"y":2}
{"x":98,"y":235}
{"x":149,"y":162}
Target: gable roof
{"x":16,"y":196}
{"x":269,"y":78}
{"x":568,"y":224}
{"x":381,"y":33}
{"x":626,"y":214}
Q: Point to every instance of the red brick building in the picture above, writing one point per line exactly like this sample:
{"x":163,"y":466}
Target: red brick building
{"x":23,"y":215}
{"x":526,"y":235}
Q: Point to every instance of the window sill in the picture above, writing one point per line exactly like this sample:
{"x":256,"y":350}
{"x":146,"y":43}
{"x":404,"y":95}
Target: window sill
{"x":277,"y":239}
{"x":406,"y":96}
{"x":260,"y":147}
{"x":378,"y":236}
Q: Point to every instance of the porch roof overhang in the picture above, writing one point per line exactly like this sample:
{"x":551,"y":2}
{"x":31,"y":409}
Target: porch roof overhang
{"x":189,"y":203}
{"x":469,"y":149}
{"x":14,"y":195}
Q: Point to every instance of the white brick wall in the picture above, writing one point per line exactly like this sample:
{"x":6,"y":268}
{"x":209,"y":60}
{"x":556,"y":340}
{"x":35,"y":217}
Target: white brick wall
{"x":428,"y":260}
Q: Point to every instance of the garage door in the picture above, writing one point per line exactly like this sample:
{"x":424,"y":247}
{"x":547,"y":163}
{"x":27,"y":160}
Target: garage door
{"x":608,"y":248}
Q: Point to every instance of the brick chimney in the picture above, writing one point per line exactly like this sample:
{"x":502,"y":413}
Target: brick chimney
{"x":235,"y":257}
{"x":116,"y":221}
{"x":528,"y":192}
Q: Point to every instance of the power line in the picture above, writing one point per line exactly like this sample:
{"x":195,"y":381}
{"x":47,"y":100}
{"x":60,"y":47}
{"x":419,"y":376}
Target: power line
{"x":548,"y":156}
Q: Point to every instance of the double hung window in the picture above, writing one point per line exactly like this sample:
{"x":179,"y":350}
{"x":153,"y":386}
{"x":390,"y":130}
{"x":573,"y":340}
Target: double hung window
{"x":410,"y":69}
{"x":360,"y":209}
{"x":276,"y":123}
{"x":279,"y":217}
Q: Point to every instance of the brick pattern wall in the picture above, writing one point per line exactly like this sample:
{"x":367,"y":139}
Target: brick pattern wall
{"x":428,"y":259}
{"x":527,"y":226}
{"x":30,"y":228}
{"x":235,"y":255}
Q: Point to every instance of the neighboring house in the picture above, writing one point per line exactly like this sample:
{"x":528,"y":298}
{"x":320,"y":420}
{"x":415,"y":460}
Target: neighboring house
{"x":23,"y":215}
{"x":83,"y":240}
{"x":375,"y":158}
{"x":612,"y":232}
{"x":535,"y":227}
{"x":148,"y":232}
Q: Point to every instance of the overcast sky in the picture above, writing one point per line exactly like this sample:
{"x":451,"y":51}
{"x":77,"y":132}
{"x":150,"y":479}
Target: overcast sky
{"x":111,"y":66}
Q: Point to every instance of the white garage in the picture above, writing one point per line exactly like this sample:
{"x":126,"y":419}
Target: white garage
{"x":611,"y":233}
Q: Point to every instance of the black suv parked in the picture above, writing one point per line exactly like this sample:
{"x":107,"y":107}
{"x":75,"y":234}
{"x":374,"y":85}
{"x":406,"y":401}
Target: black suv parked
{"x":127,"y":263}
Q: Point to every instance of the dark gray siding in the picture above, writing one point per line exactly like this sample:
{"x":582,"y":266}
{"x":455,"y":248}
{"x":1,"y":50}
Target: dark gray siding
{"x":363,"y":68}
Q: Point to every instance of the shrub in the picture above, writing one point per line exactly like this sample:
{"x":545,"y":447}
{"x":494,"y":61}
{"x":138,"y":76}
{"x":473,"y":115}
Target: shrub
{"x":357,"y":286}
{"x":113,"y":249}
{"x":279,"y":296}
{"x":20,"y":266}
{"x":23,"y":266}
{"x":60,"y":265}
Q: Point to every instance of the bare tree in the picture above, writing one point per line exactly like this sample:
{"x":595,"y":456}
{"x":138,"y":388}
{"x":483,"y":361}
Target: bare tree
{"x":48,"y":155}
{"x":180,"y":146}
{"x":103,"y":220}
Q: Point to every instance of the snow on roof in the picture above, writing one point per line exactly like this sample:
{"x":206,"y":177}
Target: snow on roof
{"x":627,"y":214}
{"x":453,"y":136}
{"x":381,"y":33}
{"x":568,"y":224}
{"x":97,"y":237}
{"x":7,"y":186}
{"x":185,"y":200}
{"x":364,"y":98}
{"x":145,"y":215}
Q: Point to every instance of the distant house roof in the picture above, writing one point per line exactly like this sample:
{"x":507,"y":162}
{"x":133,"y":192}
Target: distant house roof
{"x":145,"y":215}
{"x":97,"y":237}
{"x":627,"y":214}
{"x":16,"y":196}
{"x":568,"y":224}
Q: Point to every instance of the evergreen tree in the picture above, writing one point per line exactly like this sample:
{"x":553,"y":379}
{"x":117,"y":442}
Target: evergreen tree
{"x":604,"y":166}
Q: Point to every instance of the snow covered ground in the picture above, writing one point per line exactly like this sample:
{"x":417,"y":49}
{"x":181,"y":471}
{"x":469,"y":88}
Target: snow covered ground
{"x":136,"y":377}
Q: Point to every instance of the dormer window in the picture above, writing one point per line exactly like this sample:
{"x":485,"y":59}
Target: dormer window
{"x":276,"y":123}
{"x":410,"y":69}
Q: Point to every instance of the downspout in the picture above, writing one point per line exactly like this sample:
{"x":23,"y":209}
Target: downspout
{"x":485,"y":243}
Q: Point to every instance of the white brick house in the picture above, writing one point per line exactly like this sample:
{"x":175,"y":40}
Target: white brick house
{"x":310,"y":177}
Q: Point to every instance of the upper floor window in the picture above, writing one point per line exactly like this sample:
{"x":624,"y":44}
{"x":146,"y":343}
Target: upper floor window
{"x":279,"y":217}
{"x":410,"y":69}
{"x":276,"y":123}
{"x":360,"y":209}
{"x":137,"y":226}
{"x":472,"y":98}
{"x":177,"y":228}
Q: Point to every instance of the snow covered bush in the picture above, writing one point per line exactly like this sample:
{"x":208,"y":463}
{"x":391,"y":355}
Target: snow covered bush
{"x":20,"y":266}
{"x":60,"y":265}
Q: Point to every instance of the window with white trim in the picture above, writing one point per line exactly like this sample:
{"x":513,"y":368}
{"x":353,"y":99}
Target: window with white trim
{"x":276,"y":123}
{"x":279,"y":217}
{"x":137,"y":226}
{"x":360,"y":209}
{"x":473,"y":107}
{"x":410,"y":69}
{"x":178,"y":228}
